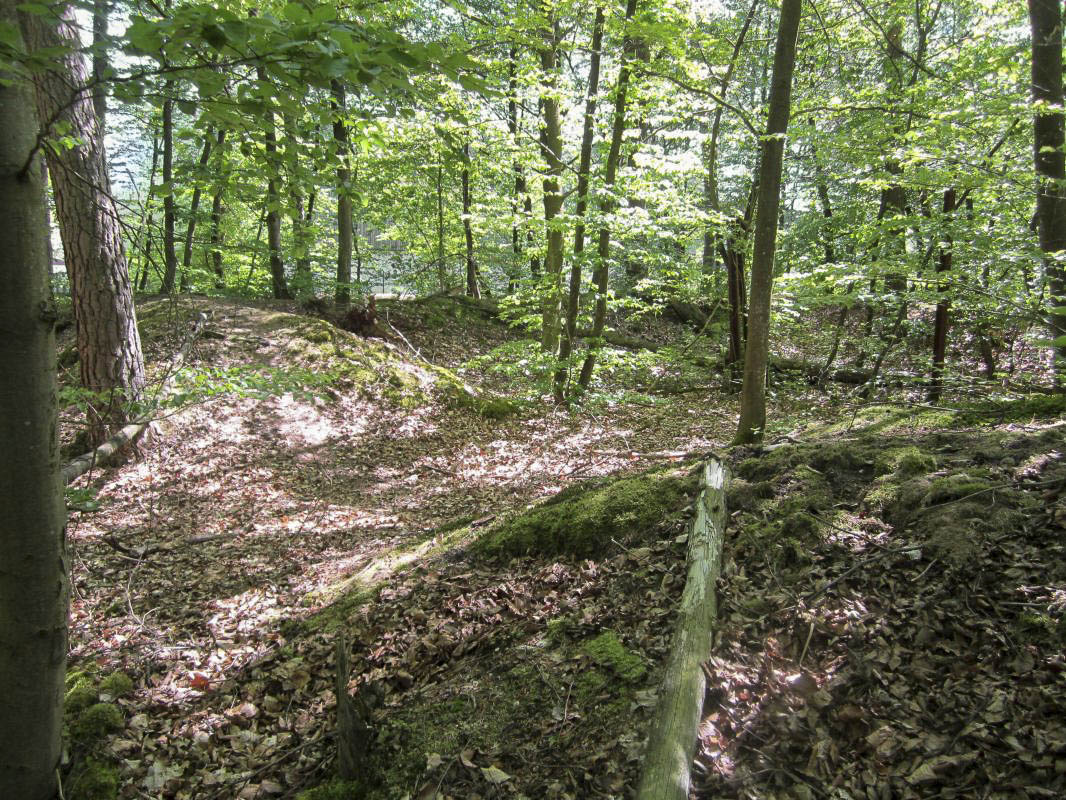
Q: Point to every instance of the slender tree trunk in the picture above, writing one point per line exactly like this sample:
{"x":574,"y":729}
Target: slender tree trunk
{"x":302,"y":220}
{"x":170,"y":256}
{"x":273,"y":218}
{"x":943,"y":306}
{"x":472,"y":288}
{"x":34,"y":591}
{"x":109,"y":346}
{"x":442,"y":268}
{"x":343,"y":294}
{"x":216,"y":216}
{"x":753,"y":395}
{"x":194,"y":207}
{"x":573,"y":297}
{"x":551,"y":145}
{"x":603,"y":247}
{"x":1050,"y":164}
{"x":142,"y":280}
{"x":711,"y":200}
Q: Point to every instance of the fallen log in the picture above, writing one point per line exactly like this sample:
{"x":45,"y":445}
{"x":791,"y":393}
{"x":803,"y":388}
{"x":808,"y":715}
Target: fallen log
{"x":672,"y":741}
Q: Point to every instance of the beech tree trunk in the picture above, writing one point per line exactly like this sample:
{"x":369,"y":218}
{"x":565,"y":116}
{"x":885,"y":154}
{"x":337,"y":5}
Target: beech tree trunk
{"x":753,"y":395}
{"x":573,"y":297}
{"x":273,"y":217}
{"x":194,"y":207}
{"x":170,"y":256}
{"x":472,"y":287}
{"x":109,"y":346}
{"x":551,"y":145}
{"x":216,"y":221}
{"x":343,"y":294}
{"x":943,"y":305}
{"x":603,"y":247}
{"x":1050,"y":163}
{"x":34,"y":590}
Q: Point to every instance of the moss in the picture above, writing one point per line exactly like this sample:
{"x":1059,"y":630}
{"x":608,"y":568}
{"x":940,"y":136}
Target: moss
{"x":955,"y":487}
{"x":585,"y":524}
{"x":607,"y":651}
{"x":94,"y":781}
{"x":745,"y":496}
{"x":96,"y":722}
{"x":560,"y":628}
{"x":906,"y":462}
{"x":79,"y":698}
{"x":117,"y":684}
{"x":337,"y":789}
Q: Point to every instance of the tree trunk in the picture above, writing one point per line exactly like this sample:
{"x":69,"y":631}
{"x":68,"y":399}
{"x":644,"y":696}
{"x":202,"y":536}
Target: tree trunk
{"x":216,"y":221}
{"x":302,"y":220}
{"x":753,"y":395}
{"x":551,"y":145}
{"x":170,"y":256}
{"x":343,"y":294}
{"x":472,"y":288}
{"x":672,"y":741}
{"x":194,"y":206}
{"x":442,"y":268}
{"x":34,"y":591}
{"x":573,"y":298}
{"x":100,"y":62}
{"x":273,"y":217}
{"x":109,"y":346}
{"x":1050,"y":164}
{"x":603,"y":248}
{"x":940,"y":323}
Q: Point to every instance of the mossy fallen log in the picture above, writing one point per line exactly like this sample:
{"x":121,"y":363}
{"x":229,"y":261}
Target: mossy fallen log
{"x":672,"y":741}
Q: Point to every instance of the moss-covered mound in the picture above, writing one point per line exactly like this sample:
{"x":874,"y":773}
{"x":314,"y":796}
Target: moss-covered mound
{"x":586,"y":519}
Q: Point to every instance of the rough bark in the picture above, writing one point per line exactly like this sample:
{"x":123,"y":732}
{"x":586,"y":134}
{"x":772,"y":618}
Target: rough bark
{"x":33,"y":581}
{"x":343,"y":293}
{"x":753,"y":395}
{"x":551,"y":146}
{"x":573,"y":297}
{"x":109,"y":346}
{"x":603,"y":247}
{"x":1050,"y":164}
{"x":672,"y":741}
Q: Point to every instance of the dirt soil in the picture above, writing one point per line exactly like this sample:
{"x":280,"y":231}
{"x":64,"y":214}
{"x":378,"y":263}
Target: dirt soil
{"x":891,"y":606}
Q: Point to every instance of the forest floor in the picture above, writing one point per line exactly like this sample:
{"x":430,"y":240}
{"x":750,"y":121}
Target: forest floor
{"x":891,"y":606}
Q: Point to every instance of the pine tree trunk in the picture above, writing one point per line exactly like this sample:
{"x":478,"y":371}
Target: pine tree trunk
{"x":1050,"y":164}
{"x":109,"y":346}
{"x":34,"y":591}
{"x":753,"y":395}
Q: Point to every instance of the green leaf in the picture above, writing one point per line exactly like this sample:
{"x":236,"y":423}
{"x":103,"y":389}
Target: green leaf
{"x":294,"y":12}
{"x":187,"y":107}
